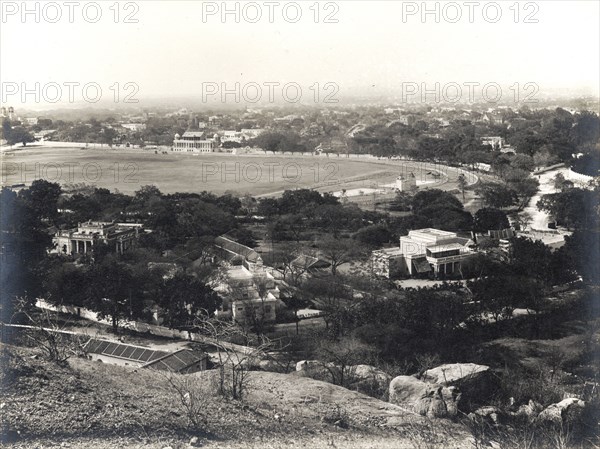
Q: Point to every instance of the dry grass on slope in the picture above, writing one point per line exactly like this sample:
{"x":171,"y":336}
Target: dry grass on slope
{"x":90,"y":404}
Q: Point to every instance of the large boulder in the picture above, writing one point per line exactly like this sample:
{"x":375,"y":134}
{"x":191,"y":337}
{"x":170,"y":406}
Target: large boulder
{"x":568,"y":411}
{"x":454,"y":373}
{"x":431,"y":400}
{"x":369,"y":380}
{"x":327,"y":372}
{"x":475,"y":382}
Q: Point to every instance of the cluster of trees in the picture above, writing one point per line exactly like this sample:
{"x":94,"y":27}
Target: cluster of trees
{"x":588,"y":163}
{"x":546,"y":136}
{"x":120,"y":290}
{"x":515,"y":186}
{"x":442,"y":210}
{"x":184,"y":224}
{"x":175,"y":219}
{"x":275,"y":141}
{"x":24,"y":239}
{"x":298,"y":211}
{"x":15,"y":134}
{"x":579,"y":210}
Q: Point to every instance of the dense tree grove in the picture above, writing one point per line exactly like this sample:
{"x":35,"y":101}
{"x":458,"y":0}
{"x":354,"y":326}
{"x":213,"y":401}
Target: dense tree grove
{"x":118,"y":287}
{"x":543,"y":136}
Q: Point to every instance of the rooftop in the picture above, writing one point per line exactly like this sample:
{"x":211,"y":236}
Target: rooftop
{"x":176,"y":362}
{"x":234,"y":247}
{"x":307,"y":262}
{"x":239,"y":273}
{"x":123,"y":351}
{"x":433,"y":231}
{"x":389,"y":251}
{"x":193,"y":134}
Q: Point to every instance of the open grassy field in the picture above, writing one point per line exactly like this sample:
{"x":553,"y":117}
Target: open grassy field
{"x":259,"y":175}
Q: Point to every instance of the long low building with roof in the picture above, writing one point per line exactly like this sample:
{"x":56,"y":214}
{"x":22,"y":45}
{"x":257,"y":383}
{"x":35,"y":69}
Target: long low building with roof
{"x":183,"y":361}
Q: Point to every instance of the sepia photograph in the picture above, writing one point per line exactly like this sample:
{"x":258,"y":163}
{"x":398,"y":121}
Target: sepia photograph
{"x":350,"y":224}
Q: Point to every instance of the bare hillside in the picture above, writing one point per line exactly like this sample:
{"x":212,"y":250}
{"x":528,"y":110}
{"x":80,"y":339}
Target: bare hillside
{"x":87,"y":404}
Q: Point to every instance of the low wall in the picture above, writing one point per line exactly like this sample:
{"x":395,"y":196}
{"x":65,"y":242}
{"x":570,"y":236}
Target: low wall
{"x":579,"y":178}
{"x":141,"y":327}
{"x":547,"y":169}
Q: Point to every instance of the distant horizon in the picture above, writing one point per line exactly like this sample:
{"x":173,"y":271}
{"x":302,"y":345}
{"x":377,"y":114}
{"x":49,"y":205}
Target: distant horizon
{"x":393,"y":98}
{"x":162,"y":51}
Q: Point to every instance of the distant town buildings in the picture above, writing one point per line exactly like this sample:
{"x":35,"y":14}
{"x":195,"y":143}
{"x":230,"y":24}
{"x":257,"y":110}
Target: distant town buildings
{"x":496,"y":142}
{"x":119,"y":237}
{"x":134,"y":126}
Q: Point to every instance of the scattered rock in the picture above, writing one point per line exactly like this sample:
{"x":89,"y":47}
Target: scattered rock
{"x":273,"y":366}
{"x":567,"y":411}
{"x":475,"y":382}
{"x":317,"y":370}
{"x":529,"y":411}
{"x":369,"y":380}
{"x":489,"y":414}
{"x":195,"y":442}
{"x":431,"y":400}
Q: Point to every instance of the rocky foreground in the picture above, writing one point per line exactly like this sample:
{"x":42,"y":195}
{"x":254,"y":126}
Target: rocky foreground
{"x":90,"y":404}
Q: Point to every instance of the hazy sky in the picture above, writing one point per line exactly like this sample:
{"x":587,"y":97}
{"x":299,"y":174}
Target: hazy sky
{"x":171,"y":51}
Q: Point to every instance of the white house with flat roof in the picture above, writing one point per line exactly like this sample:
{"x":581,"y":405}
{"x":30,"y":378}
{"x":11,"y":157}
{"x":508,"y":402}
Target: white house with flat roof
{"x":423,"y":252}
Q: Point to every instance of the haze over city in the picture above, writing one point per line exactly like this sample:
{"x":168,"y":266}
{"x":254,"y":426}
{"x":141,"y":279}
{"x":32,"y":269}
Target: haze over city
{"x":175,"y":48}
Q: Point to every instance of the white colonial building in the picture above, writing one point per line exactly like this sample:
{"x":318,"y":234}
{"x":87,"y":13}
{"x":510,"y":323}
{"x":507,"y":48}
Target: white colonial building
{"x":195,"y":142}
{"x":119,"y":237}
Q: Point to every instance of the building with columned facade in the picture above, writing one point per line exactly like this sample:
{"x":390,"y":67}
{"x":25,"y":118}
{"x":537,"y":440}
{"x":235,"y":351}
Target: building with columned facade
{"x":119,"y":237}
{"x":195,"y":142}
